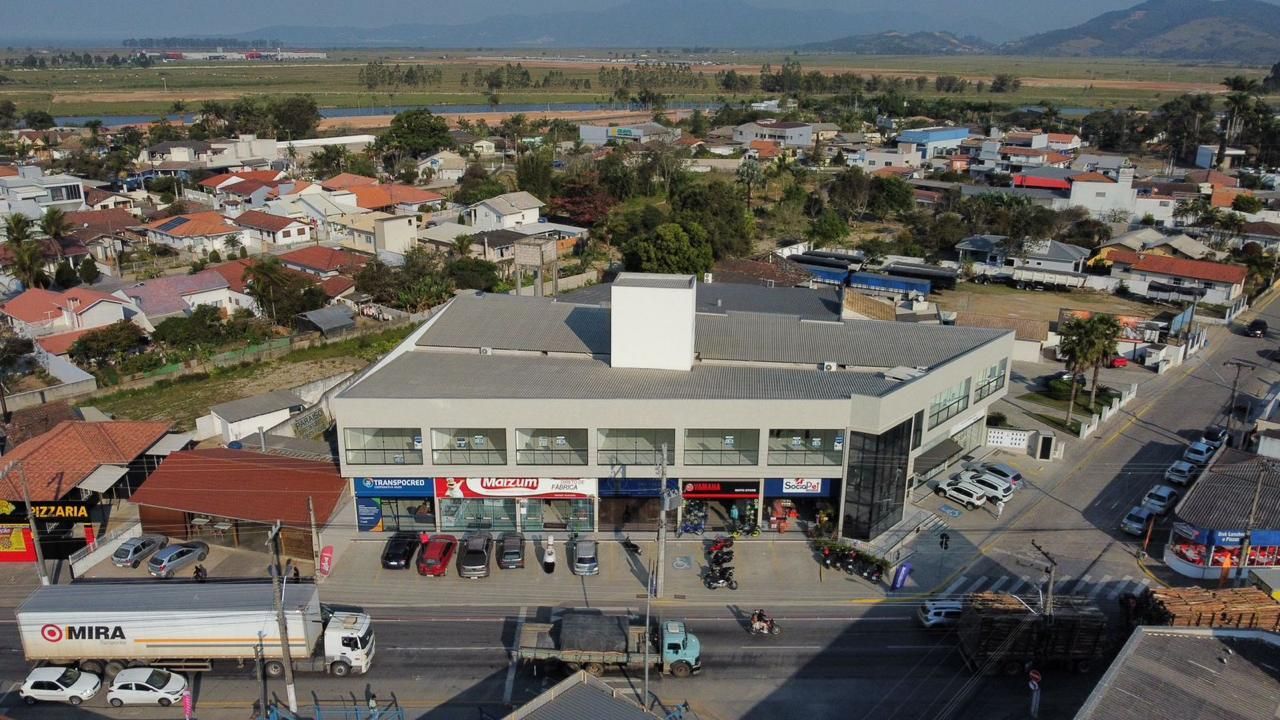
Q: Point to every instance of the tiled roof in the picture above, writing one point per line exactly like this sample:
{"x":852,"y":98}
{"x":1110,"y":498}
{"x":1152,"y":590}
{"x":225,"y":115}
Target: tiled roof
{"x":373,"y":197}
{"x":1094,"y":177}
{"x":259,"y":220}
{"x":758,"y":272}
{"x":163,"y":296}
{"x":229,"y":483}
{"x":93,"y":196}
{"x":57,"y":461}
{"x":894,"y":171}
{"x":324,"y":259}
{"x":198,"y":224}
{"x":233,"y":273}
{"x":36,"y":304}
{"x":1213,"y":177}
{"x":8,"y":171}
{"x":1023,"y":151}
{"x":1062,"y":137}
{"x":1180,"y":267}
{"x":346,"y":181}
{"x":1267,"y":229}
{"x":61,"y":343}
{"x":1222,"y":499}
{"x":259,"y":175}
{"x":1023,"y":328}
{"x":513,"y":202}
{"x":335,"y":286}
{"x":102,"y":222}
{"x":766,"y":148}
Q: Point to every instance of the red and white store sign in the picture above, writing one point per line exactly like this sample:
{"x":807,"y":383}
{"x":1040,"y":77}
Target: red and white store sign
{"x":562,"y":488}
{"x":802,"y":486}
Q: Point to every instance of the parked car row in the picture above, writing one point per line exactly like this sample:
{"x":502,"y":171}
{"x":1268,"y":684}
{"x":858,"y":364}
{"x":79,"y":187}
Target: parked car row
{"x":1160,"y":499}
{"x":165,"y":559}
{"x":972,"y":488}
{"x":431,"y":554}
{"x":133,"y":686}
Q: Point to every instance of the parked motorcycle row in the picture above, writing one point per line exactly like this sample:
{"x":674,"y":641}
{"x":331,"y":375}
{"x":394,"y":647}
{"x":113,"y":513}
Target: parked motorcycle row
{"x":842,"y":557}
{"x":694,"y":519}
{"x":719,"y":572}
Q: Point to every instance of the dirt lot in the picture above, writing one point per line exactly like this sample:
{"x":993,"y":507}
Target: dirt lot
{"x":1004,"y":301}
{"x":494,"y":118}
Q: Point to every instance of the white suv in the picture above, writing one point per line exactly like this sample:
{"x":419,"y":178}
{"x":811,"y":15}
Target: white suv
{"x":966,"y":493}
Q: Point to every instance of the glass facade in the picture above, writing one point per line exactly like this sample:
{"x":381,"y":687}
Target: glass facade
{"x":461,"y":515}
{"x":948,"y":404}
{"x":991,"y":380}
{"x":721,"y":447}
{"x":383,"y":446}
{"x":806,"y":447}
{"x":551,"y":446}
{"x":570,"y":515}
{"x":876,"y":481}
{"x":634,"y":446}
{"x":469,"y":446}
{"x":416,"y":514}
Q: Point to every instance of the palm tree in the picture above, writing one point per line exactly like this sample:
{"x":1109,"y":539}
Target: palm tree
{"x":751,"y":175}
{"x":17,"y":228}
{"x":462,"y":246}
{"x":54,"y":223}
{"x":267,"y":278}
{"x":1239,"y":102}
{"x":1104,"y":332}
{"x":1074,"y":347}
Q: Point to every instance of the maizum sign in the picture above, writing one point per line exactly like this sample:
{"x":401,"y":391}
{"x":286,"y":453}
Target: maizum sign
{"x":562,"y":488}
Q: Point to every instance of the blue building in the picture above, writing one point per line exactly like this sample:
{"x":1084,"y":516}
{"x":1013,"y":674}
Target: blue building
{"x":933,"y":141}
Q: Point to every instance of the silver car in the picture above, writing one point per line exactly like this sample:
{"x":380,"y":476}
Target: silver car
{"x":586,"y":558}
{"x":133,"y":551}
{"x":175,"y":557}
{"x":1160,"y":499}
{"x":1181,"y":473}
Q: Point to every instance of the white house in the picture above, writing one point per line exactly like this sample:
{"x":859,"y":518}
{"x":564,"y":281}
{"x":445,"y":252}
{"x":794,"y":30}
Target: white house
{"x":790,"y":134}
{"x":38,"y":312}
{"x":1161,"y":277}
{"x":444,"y":165}
{"x":173,"y":295}
{"x":905,"y":155}
{"x":242,"y":418}
{"x":1103,"y":196}
{"x":263,"y":231}
{"x":504,"y":211}
{"x":375,"y":232}
{"x":993,"y":251}
{"x":200,"y":232}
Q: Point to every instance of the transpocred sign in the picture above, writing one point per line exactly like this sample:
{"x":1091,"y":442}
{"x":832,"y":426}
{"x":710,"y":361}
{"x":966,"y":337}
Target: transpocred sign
{"x":553,"y":488}
{"x":393,"y":487}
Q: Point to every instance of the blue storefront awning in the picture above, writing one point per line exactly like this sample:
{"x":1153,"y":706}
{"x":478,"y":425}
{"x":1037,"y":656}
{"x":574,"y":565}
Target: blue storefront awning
{"x":634,"y":487}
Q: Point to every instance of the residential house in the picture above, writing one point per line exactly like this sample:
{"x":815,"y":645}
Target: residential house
{"x":789,"y":134}
{"x":993,"y":251}
{"x":176,"y":154}
{"x":1160,"y":277}
{"x":257,"y":193}
{"x":234,"y":272}
{"x":396,"y":199}
{"x":297,"y":152}
{"x":242,"y":152}
{"x":1107,"y":164}
{"x":1150,"y":240}
{"x":346,"y":181}
{"x":263,"y":231}
{"x":38,"y":312}
{"x":216,"y":190}
{"x":324,"y":262}
{"x":1212,"y":178}
{"x":1207,"y":156}
{"x":96,"y":199}
{"x":1266,"y":234}
{"x":79,"y":460}
{"x":1065,"y":142}
{"x":933,"y":141}
{"x":504,"y":211}
{"x":904,"y":155}
{"x":765,"y":150}
{"x":374,"y":233}
{"x":484,"y":147}
{"x":1104,"y":197}
{"x":52,"y":253}
{"x":199,"y":233}
{"x":315,"y":210}
{"x":1009,"y":159}
{"x":445,"y":165}
{"x":242,"y":418}
{"x":825,"y":131}
{"x":636,"y":134}
{"x":174,"y":295}
{"x":31,"y":192}
{"x":105,"y":233}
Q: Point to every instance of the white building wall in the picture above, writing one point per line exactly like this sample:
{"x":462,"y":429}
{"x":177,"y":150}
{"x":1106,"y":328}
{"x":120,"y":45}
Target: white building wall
{"x":103,"y":313}
{"x":245,"y":428}
{"x":652,"y":327}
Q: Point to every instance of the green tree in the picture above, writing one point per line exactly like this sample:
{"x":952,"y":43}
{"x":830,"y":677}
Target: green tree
{"x":64,"y":276}
{"x":617,"y":176}
{"x":12,"y":350}
{"x":751,"y":176}
{"x":329,"y":161}
{"x":107,"y":345}
{"x":54,"y":223}
{"x":477,"y":185}
{"x":829,"y":228}
{"x":717,"y":208}
{"x":534,"y":173}
{"x":1075,"y":347}
{"x":671,"y":248}
{"x":1247,"y":204}
{"x":269,"y":283}
{"x":1005,"y":83}
{"x":27,"y":264}
{"x":414,"y":134}
{"x":473,"y":273}
{"x":37,"y":120}
{"x":88,"y":270}
{"x":698,"y":123}
{"x":1103,"y":335}
{"x":293,"y":117}
{"x":8,"y":115}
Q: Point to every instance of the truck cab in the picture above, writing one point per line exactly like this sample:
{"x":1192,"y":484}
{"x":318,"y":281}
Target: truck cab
{"x":348,"y":643}
{"x":681,"y":650}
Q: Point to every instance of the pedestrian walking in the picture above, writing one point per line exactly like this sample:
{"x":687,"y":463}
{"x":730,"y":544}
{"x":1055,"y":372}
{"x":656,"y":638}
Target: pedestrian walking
{"x":297,"y":574}
{"x":999,"y":508}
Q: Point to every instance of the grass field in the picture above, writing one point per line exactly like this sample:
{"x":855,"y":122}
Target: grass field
{"x":1004,"y":301}
{"x":1070,"y":82}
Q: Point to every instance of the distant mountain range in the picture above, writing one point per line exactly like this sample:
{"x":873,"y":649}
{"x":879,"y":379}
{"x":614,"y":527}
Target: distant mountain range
{"x":1245,"y":31}
{"x":896,"y":43}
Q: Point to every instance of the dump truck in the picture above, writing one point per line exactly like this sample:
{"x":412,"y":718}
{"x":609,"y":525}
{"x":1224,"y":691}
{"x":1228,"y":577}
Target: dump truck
{"x":597,"y":642}
{"x":998,"y":632}
{"x":106,"y":627}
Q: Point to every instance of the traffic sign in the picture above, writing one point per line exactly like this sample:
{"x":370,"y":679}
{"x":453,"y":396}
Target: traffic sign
{"x":1033,"y":685}
{"x":1035,"y":676}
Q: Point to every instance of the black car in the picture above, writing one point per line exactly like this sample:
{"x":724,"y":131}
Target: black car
{"x":1257,"y":328}
{"x":398,"y":553}
{"x":511,"y":551}
{"x":473,"y":559}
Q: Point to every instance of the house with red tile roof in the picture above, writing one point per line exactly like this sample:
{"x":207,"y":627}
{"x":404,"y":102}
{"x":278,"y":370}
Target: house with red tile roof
{"x":105,"y":234}
{"x":37,"y":312}
{"x":1064,"y":142}
{"x":324,"y":262}
{"x":98,"y":199}
{"x":1161,"y":277}
{"x":176,"y":295}
{"x":764,"y":150}
{"x":198,"y":232}
{"x":263,"y":230}
{"x":346,"y":181}
{"x":79,"y":460}
{"x":395,"y":198}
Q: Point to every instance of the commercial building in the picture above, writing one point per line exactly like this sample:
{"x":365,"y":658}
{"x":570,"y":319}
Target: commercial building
{"x":639,"y":134}
{"x":511,"y":412}
{"x":1212,"y":520}
{"x":933,"y":141}
{"x":787,"y":134}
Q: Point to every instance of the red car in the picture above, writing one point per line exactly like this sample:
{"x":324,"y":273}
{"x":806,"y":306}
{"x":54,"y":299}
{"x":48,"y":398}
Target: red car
{"x":436,"y":553}
{"x":1119,"y":362}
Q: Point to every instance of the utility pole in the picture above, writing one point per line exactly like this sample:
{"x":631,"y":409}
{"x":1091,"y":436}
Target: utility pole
{"x":260,"y":662}
{"x":41,"y":570}
{"x":277,"y":582}
{"x":1053,"y":572}
{"x":1242,"y":567}
{"x":648,"y":596}
{"x":662,"y":522}
{"x":315,"y":538}
{"x":1231,"y":402}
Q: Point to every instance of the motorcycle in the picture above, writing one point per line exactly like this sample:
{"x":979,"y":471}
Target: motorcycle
{"x":717,"y":578}
{"x":874,"y":573}
{"x":692,"y":527}
{"x":724,"y":542}
{"x":630,"y":546}
{"x":764,"y":626}
{"x":722,"y":558}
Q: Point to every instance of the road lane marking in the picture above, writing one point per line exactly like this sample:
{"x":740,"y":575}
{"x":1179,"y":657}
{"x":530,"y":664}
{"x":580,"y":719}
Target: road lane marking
{"x":782,"y":647}
{"x":999,"y":583}
{"x":511,"y":668}
{"x":1120,"y":586}
{"x":1098,"y":588}
{"x":952,"y":588}
{"x":410,"y":648}
{"x":976,"y":584}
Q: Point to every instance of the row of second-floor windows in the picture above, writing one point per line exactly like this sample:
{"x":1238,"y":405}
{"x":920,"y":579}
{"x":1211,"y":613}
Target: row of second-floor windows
{"x":569,"y":446}
{"x":949,"y":403}
{"x":991,"y":380}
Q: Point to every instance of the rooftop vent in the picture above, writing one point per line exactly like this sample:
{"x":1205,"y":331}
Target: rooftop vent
{"x":903,"y":374}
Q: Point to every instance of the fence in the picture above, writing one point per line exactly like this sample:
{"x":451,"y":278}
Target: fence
{"x":1009,"y":437}
{"x":570,"y":282}
{"x":1087,"y":427}
{"x":75,"y":382}
{"x":90,"y":555}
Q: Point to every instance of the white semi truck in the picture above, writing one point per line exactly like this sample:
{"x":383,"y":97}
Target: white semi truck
{"x":106,"y":627}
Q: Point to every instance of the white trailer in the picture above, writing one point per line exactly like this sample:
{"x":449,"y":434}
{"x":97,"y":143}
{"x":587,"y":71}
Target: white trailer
{"x":105,"y":627}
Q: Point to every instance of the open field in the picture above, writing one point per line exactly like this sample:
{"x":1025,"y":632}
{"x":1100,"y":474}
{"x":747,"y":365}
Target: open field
{"x":1004,"y":301}
{"x":335,"y":83}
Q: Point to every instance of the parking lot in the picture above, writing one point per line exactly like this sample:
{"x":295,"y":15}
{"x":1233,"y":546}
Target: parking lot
{"x":221,"y":562}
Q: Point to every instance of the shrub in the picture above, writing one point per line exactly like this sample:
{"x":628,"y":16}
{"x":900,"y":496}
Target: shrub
{"x":1060,"y":389}
{"x":997,"y":419}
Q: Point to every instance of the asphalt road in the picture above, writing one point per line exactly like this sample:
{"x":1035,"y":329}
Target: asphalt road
{"x":455,"y":662}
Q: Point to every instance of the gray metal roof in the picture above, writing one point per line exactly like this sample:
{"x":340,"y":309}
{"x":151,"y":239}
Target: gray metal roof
{"x":1222,"y":497}
{"x":581,"y":697}
{"x":821,"y":303}
{"x":506,"y":322}
{"x":251,"y":407}
{"x":161,"y":597}
{"x":655,"y":280}
{"x":330,"y":318}
{"x":1190,"y":674}
{"x":426,"y":374}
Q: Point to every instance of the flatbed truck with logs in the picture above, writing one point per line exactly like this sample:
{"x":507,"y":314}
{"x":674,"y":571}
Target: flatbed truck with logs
{"x":597,"y":642}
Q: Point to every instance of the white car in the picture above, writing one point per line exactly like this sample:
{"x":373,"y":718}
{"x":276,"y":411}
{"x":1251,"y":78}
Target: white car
{"x":59,"y":684}
{"x":1160,"y":499}
{"x":966,"y":493}
{"x":995,"y":488}
{"x":146,"y":686}
{"x":1198,"y":453}
{"x":939,"y":613}
{"x":1003,"y":472}
{"x":1181,"y":473}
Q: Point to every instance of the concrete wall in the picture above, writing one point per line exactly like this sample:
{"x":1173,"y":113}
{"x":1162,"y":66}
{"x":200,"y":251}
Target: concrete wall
{"x":102,"y":548}
{"x":75,"y":382}
{"x":341,"y":529}
{"x":652,"y":327}
{"x":245,"y":428}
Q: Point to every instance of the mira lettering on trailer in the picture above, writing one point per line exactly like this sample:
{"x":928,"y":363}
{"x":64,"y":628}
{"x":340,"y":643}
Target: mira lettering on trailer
{"x":56,"y":633}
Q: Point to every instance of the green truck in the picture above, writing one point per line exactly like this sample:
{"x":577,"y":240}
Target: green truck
{"x":596,"y":642}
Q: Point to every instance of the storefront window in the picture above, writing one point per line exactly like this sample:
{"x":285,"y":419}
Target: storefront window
{"x":461,"y":515}
{"x":383,"y":446}
{"x":721,"y":447}
{"x":629,"y":446}
{"x":806,"y":447}
{"x":566,"y":515}
{"x":551,"y":446}
{"x":417,"y":514}
{"x":469,"y":446}
{"x":876,"y":483}
{"x":948,"y":404}
{"x":991,"y":380}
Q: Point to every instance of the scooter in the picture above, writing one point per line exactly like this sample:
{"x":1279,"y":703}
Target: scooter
{"x":874,"y":573}
{"x":767,"y":626}
{"x":629,"y":546}
{"x":717,"y":578}
{"x":724,"y":542}
{"x":722,"y":558}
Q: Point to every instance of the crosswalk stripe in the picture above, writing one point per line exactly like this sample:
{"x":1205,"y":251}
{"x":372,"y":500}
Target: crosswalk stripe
{"x":1062,"y":584}
{"x":952,"y":587}
{"x":1098,"y":588}
{"x":976,"y":584}
{"x":1120,"y":586}
{"x":1079,"y":585}
{"x":1013,"y":589}
{"x":999,"y":583}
